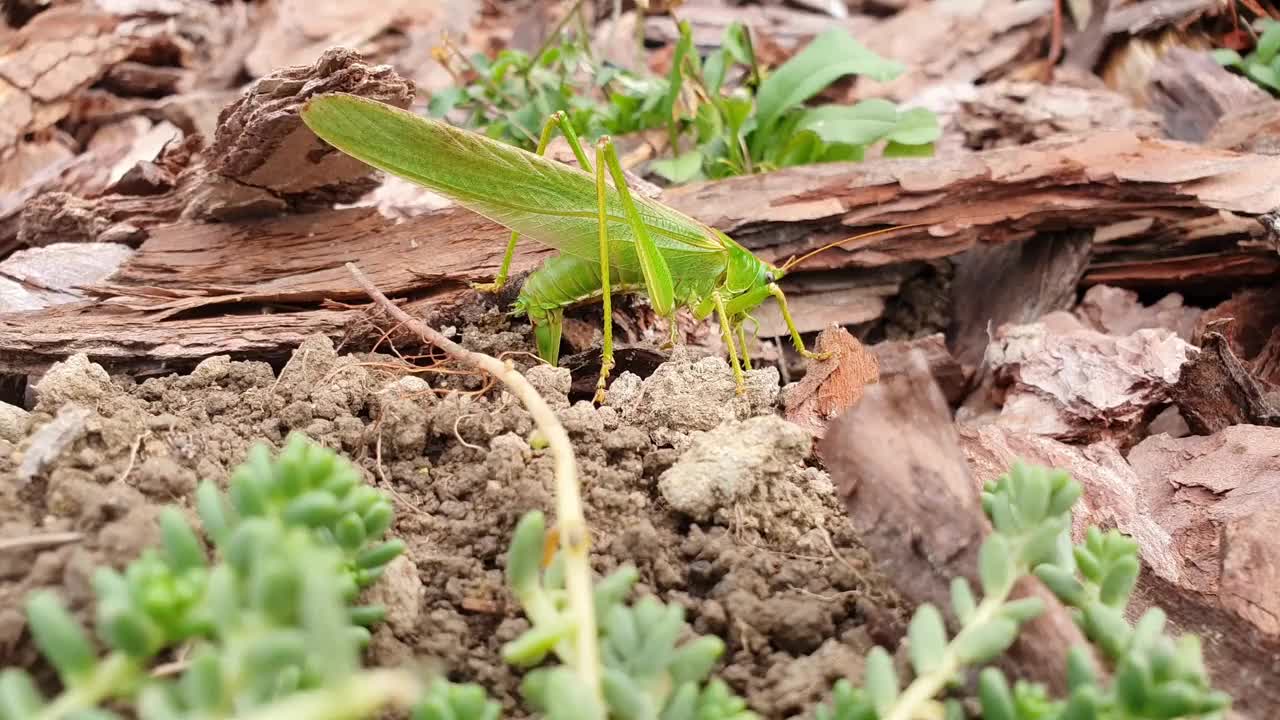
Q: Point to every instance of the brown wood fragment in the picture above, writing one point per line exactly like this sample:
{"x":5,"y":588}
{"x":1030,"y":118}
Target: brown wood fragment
{"x":917,"y":508}
{"x":55,"y":274}
{"x":1215,"y":390}
{"x":1217,"y":500}
{"x":1193,"y":93}
{"x":1079,"y":385}
{"x":894,"y":356}
{"x":833,"y":385}
{"x":1012,"y":283}
{"x":1116,"y":311}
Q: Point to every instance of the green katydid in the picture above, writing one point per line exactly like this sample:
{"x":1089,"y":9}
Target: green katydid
{"x":609,"y":241}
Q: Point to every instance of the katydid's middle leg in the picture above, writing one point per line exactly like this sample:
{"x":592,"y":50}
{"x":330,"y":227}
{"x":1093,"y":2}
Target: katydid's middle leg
{"x":727,"y":333}
{"x":557,"y":120}
{"x":742,"y":343}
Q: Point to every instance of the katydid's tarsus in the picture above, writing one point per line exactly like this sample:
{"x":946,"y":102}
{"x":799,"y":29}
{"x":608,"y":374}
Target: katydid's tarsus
{"x":610,"y":242}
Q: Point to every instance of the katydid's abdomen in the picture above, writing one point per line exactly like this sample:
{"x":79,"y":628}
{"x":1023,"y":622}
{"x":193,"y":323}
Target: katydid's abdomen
{"x":564,"y":281}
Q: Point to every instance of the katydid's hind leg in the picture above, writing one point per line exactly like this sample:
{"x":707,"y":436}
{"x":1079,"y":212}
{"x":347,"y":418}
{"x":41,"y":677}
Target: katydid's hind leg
{"x":557,"y":120}
{"x":602,"y":223}
{"x":729,"y":341}
{"x":796,"y":340}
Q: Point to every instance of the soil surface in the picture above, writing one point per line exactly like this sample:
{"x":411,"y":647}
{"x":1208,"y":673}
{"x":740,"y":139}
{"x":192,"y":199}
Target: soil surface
{"x":713,"y":496}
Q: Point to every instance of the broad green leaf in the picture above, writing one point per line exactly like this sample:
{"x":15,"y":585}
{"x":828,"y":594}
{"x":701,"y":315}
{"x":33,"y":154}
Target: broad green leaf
{"x":681,"y":169}
{"x":1263,"y":75}
{"x":831,"y":56}
{"x":736,"y":43}
{"x":860,"y":124}
{"x":842,"y":152}
{"x":1269,"y":43}
{"x":897,"y":150}
{"x":1228,"y":58}
{"x":917,"y":126}
{"x":713,"y":73}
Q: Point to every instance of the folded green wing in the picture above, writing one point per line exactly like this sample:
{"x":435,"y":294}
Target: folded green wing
{"x":550,"y":202}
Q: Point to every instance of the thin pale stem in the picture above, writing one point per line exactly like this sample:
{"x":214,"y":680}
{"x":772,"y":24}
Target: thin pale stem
{"x":115,"y":672}
{"x":574,"y":537}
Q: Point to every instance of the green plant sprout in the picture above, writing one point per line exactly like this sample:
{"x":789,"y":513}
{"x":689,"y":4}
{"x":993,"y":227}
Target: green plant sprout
{"x":271,"y":618}
{"x":1156,"y":677}
{"x":609,"y":241}
{"x":761,"y":125}
{"x":1262,"y":65}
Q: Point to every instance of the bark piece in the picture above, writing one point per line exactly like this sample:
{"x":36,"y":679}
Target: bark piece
{"x":1012,"y":283}
{"x":60,"y":52}
{"x":1215,"y":390}
{"x":893,"y":357}
{"x":1117,"y":311}
{"x":1218,"y":499}
{"x":1081,"y":385}
{"x":963,"y":42}
{"x":833,"y":385}
{"x":917,"y":508}
{"x":1254,"y":129}
{"x":1193,"y":93}
{"x":262,"y":143}
{"x":1214,"y":576}
{"x":1018,"y":112}
{"x":55,"y":274}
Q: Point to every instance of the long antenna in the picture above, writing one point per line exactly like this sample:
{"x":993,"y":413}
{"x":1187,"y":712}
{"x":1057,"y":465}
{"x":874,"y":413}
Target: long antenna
{"x":864,"y":236}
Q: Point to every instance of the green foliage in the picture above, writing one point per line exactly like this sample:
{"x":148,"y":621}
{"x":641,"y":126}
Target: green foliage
{"x":1156,"y":677}
{"x":648,"y":673}
{"x":1262,"y":65}
{"x":294,"y":541}
{"x":714,"y":131}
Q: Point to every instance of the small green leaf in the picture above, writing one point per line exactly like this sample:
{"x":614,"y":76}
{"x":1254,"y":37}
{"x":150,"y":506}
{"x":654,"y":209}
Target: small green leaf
{"x":679,"y":170}
{"x":1132,"y":680}
{"x":1065,"y":497}
{"x":916,"y":126}
{"x":1023,"y":609}
{"x":182,"y":549}
{"x":129,"y":631}
{"x":997,"y":701}
{"x":1083,"y":705}
{"x":658,"y":640}
{"x":1119,"y":582}
{"x":314,"y":508}
{"x":928,"y":637}
{"x":1080,"y":670}
{"x":881,"y":680}
{"x":694,"y":660}
{"x":1173,"y":700}
{"x":378,"y":556}
{"x":995,"y":566}
{"x":861,"y":124}
{"x":367,"y":615}
{"x":157,"y":702}
{"x":201,"y":684}
{"x":60,"y":637}
{"x":1106,"y":626}
{"x":962,"y":601}
{"x":1087,"y":562}
{"x":212,"y":511}
{"x":567,"y":698}
{"x":981,"y":643}
{"x":1263,"y":75}
{"x":349,"y":532}
{"x":1269,"y":42}
{"x":626,"y":699}
{"x":1062,"y":583}
{"x":525,"y":556}
{"x":377,"y":519}
{"x":1149,"y":629}
{"x":897,"y":150}
{"x":530,"y":648}
{"x":683,"y":703}
{"x":19,"y":698}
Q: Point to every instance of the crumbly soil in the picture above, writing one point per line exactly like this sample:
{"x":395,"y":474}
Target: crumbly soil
{"x":712,"y":496}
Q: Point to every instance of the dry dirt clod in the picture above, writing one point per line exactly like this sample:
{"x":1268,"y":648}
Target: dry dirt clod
{"x":74,"y":380}
{"x":724,"y":466}
{"x":13,"y":422}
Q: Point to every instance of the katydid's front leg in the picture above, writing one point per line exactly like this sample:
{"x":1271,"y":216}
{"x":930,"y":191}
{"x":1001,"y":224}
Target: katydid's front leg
{"x":602,"y":216}
{"x":557,"y":119}
{"x":742,"y":343}
{"x":796,"y":340}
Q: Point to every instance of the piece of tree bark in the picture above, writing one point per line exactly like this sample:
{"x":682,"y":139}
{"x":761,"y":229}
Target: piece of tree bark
{"x":1116,"y":311}
{"x":1081,"y":385}
{"x":1193,"y":93}
{"x":893,"y":357}
{"x":1215,"y":390}
{"x":1217,"y":499}
{"x":54,"y":274}
{"x":917,"y":509}
{"x":1035,"y":276}
{"x":1212,"y":578}
{"x":833,"y":385}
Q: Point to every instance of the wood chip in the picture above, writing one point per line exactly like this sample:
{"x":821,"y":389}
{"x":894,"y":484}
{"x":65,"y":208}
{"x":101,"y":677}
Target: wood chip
{"x":1117,"y":311}
{"x":917,"y":508}
{"x":834,"y":385}
{"x":1215,"y":390}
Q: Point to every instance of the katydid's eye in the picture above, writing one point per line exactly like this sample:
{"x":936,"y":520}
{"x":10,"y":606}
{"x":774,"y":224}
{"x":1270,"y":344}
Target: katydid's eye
{"x":768,"y":276}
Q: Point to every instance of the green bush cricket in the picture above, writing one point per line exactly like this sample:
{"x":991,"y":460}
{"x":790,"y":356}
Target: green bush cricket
{"x":609,"y":241}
